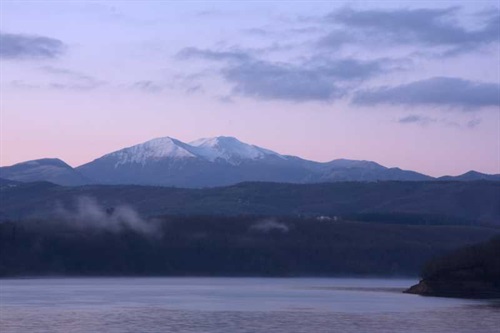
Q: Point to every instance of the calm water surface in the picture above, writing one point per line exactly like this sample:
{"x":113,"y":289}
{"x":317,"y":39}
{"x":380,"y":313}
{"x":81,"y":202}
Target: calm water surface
{"x":234,"y":305}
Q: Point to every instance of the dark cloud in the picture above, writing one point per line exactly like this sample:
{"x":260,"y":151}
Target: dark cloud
{"x":348,"y":69}
{"x":16,"y":46}
{"x":422,"y":27}
{"x":317,"y":79}
{"x":337,"y":38}
{"x":267,"y":80}
{"x":438,"y":91}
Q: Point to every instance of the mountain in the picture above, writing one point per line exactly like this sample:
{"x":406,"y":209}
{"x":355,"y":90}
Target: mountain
{"x":472,"y":176}
{"x":47,"y":169}
{"x":222,"y":161}
{"x":203,"y":163}
{"x":211,"y":162}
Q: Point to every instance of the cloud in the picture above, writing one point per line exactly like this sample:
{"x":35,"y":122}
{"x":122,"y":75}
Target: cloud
{"x":425,"y":121}
{"x":189,"y":84}
{"x":282,"y":33}
{"x":192,"y":52}
{"x":316,"y":79}
{"x":416,"y":119}
{"x":197,"y":88}
{"x":437,"y":91}
{"x":66,"y":73}
{"x":420,"y":27}
{"x":148,"y":86}
{"x":17,"y":46}
{"x":473,"y":123}
{"x":266,"y":80}
{"x":72,"y":80}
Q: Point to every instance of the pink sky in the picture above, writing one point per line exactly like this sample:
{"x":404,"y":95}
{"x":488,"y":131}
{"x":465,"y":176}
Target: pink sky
{"x":119,"y":81}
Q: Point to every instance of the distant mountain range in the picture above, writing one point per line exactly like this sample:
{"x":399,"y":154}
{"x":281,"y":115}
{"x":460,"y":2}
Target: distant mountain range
{"x":211,"y":162}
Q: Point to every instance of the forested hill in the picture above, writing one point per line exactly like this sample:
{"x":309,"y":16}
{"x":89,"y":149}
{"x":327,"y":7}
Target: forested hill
{"x":475,"y":202}
{"x":470,"y":272}
{"x":119,"y":243}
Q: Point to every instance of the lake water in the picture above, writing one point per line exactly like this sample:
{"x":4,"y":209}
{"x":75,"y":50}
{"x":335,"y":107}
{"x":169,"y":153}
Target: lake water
{"x":234,"y":305}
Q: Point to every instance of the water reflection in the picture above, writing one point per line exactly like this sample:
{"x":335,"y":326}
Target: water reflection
{"x":234,"y":305}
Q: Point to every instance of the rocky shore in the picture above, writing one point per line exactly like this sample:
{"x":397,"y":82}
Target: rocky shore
{"x":453,"y":288}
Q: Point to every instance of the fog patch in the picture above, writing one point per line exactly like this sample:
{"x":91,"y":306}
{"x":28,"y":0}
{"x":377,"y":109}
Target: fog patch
{"x":87,"y":213}
{"x":269,"y":225}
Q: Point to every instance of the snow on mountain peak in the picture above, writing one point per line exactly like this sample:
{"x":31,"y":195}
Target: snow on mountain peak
{"x":229,"y":149}
{"x":152,"y":150}
{"x":223,"y":148}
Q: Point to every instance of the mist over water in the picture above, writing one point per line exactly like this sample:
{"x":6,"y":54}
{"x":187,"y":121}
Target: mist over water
{"x":276,"y":305}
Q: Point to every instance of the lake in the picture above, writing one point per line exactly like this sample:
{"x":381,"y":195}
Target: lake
{"x":234,"y":305}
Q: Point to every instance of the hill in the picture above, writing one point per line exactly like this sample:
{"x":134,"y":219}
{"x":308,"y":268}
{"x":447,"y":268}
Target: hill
{"x":119,"y":243}
{"x":471,"y":176}
{"x":48,"y":169}
{"x":471,"y":272}
{"x":395,"y":202}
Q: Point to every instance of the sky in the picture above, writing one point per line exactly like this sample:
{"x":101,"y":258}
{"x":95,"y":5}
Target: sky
{"x":409,"y":84}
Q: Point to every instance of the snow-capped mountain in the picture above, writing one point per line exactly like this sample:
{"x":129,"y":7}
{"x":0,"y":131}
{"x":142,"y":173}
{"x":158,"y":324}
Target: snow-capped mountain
{"x":48,"y":169}
{"x":222,"y":148}
{"x":222,"y":161}
{"x":229,"y":149}
{"x":153,"y":150}
{"x":208,"y":162}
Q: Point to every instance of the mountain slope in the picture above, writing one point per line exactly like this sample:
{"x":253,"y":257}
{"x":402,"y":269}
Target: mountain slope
{"x":222,"y":161}
{"x":48,"y":169}
{"x":351,"y":170}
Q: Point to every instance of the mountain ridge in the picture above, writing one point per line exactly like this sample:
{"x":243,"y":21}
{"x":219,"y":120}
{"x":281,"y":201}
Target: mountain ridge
{"x":210,"y":162}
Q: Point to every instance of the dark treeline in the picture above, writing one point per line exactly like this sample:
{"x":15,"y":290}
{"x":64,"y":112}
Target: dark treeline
{"x":409,"y":219}
{"x":473,"y":271}
{"x":425,"y":203}
{"x":477,"y":261}
{"x":226,"y":246}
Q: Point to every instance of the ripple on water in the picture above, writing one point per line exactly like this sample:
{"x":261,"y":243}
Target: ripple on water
{"x":234,"y":305}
